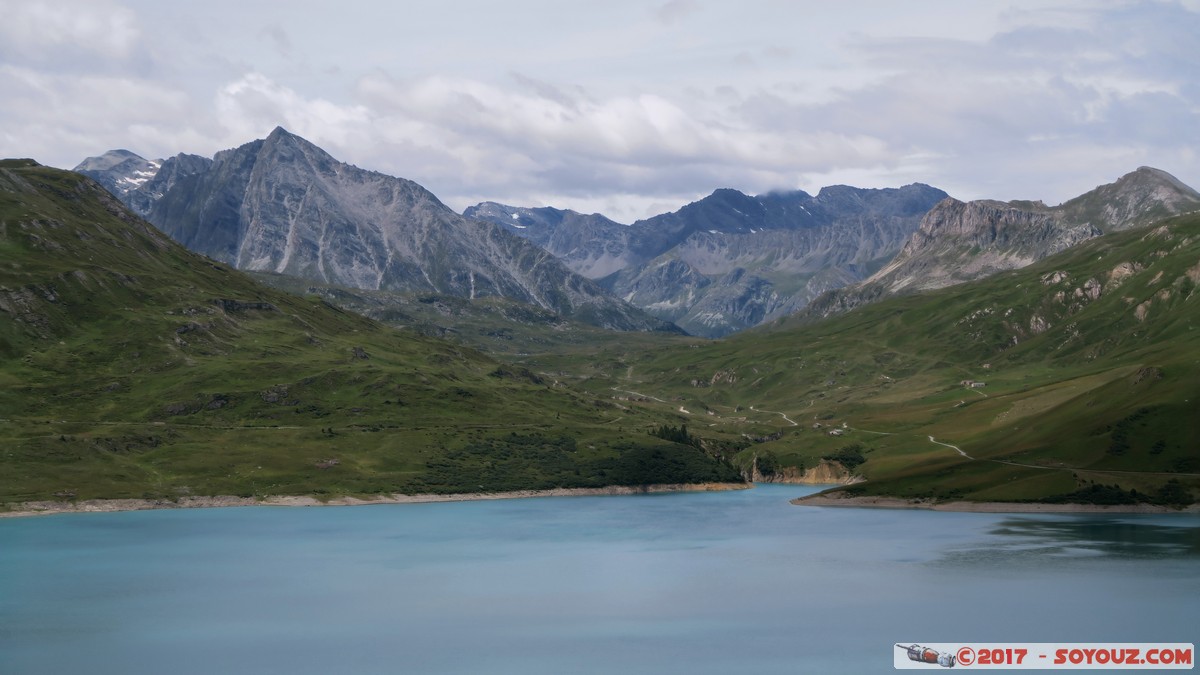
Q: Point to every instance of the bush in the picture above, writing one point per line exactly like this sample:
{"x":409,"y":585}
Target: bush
{"x":1173,"y":493}
{"x":849,"y":456}
{"x":768,"y":463}
{"x":676,"y":435}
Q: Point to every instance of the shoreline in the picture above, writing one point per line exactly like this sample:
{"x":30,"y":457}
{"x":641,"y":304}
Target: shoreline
{"x":870,"y":502}
{"x":47,"y":508}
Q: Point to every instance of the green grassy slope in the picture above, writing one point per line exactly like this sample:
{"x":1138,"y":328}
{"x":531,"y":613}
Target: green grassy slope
{"x":497,"y":326}
{"x":1091,"y":361}
{"x":130,"y":367}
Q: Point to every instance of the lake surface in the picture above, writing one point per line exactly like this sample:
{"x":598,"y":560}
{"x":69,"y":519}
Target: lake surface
{"x":734,"y":582}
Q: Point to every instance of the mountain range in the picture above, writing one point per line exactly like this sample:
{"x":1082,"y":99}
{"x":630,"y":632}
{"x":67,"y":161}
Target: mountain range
{"x":963,"y":241}
{"x":133,"y":366}
{"x":725,"y":263}
{"x":730,"y":261}
{"x":283,"y":205}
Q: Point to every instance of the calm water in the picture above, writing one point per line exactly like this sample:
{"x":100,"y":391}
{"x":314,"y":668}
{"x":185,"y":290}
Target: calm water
{"x":738,"y":582}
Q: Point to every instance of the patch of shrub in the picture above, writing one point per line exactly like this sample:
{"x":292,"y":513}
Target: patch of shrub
{"x":849,"y":456}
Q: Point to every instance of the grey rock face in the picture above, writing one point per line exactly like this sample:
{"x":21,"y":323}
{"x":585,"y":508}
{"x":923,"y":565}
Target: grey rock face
{"x":959,"y":242}
{"x":731,"y":261}
{"x":591,"y":245}
{"x":170,"y":172}
{"x":283,"y":205}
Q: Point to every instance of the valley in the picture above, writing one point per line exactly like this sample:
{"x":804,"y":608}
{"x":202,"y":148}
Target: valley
{"x":1063,"y":370}
{"x":1076,"y":392}
{"x":627,"y":337}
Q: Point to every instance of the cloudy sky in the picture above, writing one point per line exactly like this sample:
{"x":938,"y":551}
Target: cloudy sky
{"x":625,"y":107}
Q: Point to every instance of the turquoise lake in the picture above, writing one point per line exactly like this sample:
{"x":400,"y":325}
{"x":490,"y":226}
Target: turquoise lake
{"x":733,"y":582}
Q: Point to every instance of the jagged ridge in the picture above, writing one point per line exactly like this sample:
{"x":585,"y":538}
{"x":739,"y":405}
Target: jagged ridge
{"x":958,"y":242}
{"x":281,"y":204}
{"x":731,"y":261}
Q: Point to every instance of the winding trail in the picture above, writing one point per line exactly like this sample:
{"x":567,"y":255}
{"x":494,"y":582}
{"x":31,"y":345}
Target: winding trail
{"x":773,"y":412}
{"x":1059,"y":468}
{"x":1001,"y":461}
{"x":626,"y":391}
{"x":956,"y":448}
{"x":868,"y":431}
{"x":933,"y":440}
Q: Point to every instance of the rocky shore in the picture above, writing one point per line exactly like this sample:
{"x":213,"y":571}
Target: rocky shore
{"x":41,"y":508}
{"x":869,"y":502}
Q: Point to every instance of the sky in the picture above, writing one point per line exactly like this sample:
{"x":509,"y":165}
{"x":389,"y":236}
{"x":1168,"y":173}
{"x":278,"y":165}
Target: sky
{"x":627,"y":108}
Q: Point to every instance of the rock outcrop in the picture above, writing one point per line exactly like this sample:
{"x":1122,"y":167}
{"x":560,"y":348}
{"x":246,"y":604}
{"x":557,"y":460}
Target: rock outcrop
{"x":964,"y":241}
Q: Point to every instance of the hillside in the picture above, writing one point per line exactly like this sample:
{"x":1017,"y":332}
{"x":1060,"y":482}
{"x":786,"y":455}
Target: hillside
{"x":1084,"y":368}
{"x":958,"y":242}
{"x":502,"y":328}
{"x":131,"y":367}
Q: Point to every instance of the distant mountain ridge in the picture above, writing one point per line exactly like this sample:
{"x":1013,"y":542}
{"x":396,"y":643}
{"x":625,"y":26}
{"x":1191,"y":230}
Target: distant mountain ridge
{"x":591,"y":245}
{"x":281,"y":204}
{"x":724,"y":263}
{"x":730,"y":261}
{"x":119,"y":171}
{"x":964,"y":241}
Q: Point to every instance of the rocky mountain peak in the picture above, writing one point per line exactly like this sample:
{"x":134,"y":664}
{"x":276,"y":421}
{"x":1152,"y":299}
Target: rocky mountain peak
{"x":281,"y":204}
{"x":1149,"y":174}
{"x":107,"y":161}
{"x":839,"y":193}
{"x":119,"y":171}
{"x":733,"y":199}
{"x":282,"y":145}
{"x":725,"y":210}
{"x":1137,"y":198}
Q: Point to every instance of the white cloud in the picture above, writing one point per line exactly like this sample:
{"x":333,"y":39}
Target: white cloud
{"x":47,"y":113}
{"x":253,"y":105}
{"x":1034,"y":111}
{"x":589,"y":144}
{"x":51,"y":31}
{"x":628,"y":108}
{"x":676,"y":10}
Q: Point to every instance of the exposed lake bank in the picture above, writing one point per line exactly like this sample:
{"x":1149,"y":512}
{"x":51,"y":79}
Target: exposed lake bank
{"x":871,"y":502}
{"x":43,"y":508}
{"x":51,"y":507}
